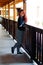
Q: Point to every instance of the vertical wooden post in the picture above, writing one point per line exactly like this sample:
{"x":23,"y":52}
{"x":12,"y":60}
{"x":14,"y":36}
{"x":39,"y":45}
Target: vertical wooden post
{"x":24,"y":5}
{"x":14,"y":10}
{"x":8,"y":16}
{"x":5,"y":11}
{"x":8,"y":11}
{"x":14,"y":18}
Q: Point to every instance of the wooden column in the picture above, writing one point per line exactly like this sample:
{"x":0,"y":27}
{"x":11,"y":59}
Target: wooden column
{"x":8,"y":17}
{"x":8,"y":11}
{"x":14,"y":9}
{"x":24,"y":5}
{"x":5,"y":11}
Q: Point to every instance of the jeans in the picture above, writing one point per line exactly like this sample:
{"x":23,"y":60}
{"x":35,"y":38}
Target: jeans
{"x":19,"y":38}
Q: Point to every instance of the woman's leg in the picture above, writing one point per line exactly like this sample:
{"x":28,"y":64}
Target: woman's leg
{"x":17,"y":45}
{"x":12,"y":49}
{"x":19,"y":38}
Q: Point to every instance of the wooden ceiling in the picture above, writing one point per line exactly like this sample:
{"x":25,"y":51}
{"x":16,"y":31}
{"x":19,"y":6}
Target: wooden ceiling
{"x":4,"y":2}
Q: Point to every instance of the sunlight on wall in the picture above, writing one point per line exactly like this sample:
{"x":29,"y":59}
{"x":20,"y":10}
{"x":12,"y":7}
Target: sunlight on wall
{"x":35,"y":12}
{"x":19,"y":5}
{"x":11,"y":12}
{"x":0,"y":8}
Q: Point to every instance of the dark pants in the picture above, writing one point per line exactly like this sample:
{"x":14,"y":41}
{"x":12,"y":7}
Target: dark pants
{"x":19,"y":38}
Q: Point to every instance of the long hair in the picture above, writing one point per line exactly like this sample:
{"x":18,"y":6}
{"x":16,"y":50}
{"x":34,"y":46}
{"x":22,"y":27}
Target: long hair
{"x":20,"y":11}
{"x":25,"y":18}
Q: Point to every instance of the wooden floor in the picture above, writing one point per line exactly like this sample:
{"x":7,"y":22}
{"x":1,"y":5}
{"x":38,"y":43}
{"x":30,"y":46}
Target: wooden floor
{"x":6,"y":57}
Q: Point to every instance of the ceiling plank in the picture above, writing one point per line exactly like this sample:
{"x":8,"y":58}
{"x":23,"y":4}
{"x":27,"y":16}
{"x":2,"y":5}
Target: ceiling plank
{"x":4,"y":2}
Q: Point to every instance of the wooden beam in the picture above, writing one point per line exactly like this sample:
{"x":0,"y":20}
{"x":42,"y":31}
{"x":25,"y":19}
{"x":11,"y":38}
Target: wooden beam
{"x":14,"y":9}
{"x":8,"y":11}
{"x":5,"y":11}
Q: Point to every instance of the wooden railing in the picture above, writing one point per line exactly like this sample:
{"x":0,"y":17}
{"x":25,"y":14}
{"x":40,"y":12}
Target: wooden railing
{"x":32,"y":41}
{"x":10,"y":26}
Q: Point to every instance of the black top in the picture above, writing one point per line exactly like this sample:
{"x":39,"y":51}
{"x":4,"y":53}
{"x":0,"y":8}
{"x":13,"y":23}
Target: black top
{"x":20,"y":21}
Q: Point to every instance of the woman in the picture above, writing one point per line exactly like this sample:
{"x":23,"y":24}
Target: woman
{"x":20,"y":32}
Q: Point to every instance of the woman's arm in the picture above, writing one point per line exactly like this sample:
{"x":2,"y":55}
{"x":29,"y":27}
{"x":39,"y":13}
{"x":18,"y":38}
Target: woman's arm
{"x":25,"y":17}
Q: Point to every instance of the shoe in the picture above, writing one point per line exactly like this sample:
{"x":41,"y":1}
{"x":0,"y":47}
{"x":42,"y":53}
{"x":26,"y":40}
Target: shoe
{"x":19,"y":53}
{"x":31,"y":61}
{"x":12,"y":50}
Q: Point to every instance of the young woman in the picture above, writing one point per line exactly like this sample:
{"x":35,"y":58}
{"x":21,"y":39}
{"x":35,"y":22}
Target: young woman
{"x":20,"y":31}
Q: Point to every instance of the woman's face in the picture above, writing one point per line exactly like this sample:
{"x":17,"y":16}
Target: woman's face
{"x":22,"y":13}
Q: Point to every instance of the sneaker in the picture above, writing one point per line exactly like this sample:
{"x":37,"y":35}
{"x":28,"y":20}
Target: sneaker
{"x":12,"y":50}
{"x":19,"y":53}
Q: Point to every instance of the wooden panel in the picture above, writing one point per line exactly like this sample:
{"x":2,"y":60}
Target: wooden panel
{"x":4,"y":2}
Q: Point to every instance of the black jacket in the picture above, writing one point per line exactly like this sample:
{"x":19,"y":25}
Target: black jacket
{"x":20,"y":21}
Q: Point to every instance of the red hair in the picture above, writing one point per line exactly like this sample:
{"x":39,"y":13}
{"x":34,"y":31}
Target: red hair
{"x":25,"y":18}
